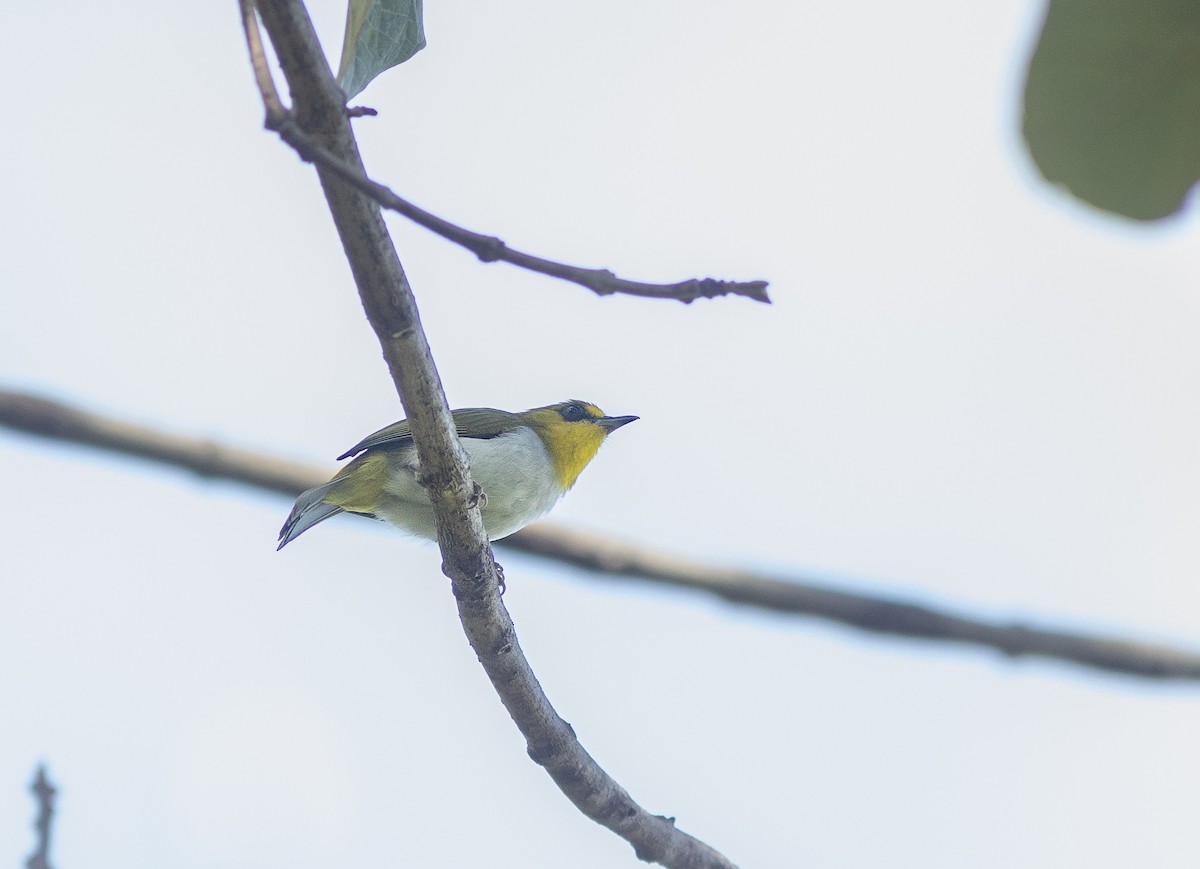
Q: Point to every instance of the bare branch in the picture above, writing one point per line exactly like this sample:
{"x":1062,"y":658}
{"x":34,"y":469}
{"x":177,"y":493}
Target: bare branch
{"x":782,"y":594}
{"x":866,"y":612}
{"x":45,"y":792}
{"x":258,"y":62}
{"x":487,"y":247}
{"x":320,"y":112}
{"x":58,"y":421}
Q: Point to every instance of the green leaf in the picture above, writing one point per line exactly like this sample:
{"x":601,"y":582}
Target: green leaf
{"x":1112,"y":102}
{"x":379,"y":35}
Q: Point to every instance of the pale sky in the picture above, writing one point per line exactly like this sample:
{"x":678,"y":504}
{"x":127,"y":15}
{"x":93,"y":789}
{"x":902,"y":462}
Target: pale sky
{"x":970,"y":390}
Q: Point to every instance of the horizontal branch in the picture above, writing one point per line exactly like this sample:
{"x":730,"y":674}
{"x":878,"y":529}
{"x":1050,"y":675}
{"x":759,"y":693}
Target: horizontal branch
{"x":489,"y":248}
{"x":865,"y":612}
{"x":58,"y":421}
{"x":592,"y":552}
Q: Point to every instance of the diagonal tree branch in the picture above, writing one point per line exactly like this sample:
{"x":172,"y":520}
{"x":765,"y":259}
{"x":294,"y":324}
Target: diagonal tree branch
{"x":489,"y":248}
{"x":782,"y":594}
{"x":320,"y":112}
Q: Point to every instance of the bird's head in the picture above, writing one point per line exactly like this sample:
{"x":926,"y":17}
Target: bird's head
{"x":572,"y":432}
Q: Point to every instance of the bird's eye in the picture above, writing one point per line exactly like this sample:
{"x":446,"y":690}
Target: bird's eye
{"x":573,"y":413}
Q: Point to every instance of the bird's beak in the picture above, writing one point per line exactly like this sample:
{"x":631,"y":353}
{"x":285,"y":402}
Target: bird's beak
{"x":612,"y":423}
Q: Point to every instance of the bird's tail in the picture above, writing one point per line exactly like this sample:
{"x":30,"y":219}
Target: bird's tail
{"x":309,"y":509}
{"x":357,"y":488}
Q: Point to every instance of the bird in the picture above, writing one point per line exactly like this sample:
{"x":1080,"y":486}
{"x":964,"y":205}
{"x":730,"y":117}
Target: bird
{"x":524,"y":463}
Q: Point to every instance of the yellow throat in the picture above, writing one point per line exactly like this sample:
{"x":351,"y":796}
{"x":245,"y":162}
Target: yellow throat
{"x":571,"y":444}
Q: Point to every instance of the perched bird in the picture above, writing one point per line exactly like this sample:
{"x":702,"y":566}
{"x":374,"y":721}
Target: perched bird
{"x":524,"y":462}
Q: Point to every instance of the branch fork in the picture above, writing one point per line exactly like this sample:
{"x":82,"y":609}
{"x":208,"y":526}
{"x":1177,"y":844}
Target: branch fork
{"x":319,"y":124}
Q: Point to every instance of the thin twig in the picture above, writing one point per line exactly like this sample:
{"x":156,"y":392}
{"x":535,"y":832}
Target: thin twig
{"x":489,"y":248}
{"x":467,"y":558}
{"x":789,"y":595}
{"x":258,"y":62}
{"x":45,"y":793}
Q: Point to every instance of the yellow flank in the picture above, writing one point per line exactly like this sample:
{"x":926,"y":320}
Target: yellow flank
{"x":360,"y":483}
{"x":571,"y":444}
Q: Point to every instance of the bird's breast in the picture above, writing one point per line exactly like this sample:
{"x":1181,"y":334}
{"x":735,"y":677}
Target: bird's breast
{"x":515,"y":472}
{"x":513,"y":469}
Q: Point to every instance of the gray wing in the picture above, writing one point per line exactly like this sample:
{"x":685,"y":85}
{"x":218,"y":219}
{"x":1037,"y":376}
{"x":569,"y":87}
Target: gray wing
{"x":470,"y":422}
{"x":396,"y":434}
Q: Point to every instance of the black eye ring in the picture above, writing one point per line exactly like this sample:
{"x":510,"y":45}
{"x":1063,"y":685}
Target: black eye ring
{"x":574,"y":413}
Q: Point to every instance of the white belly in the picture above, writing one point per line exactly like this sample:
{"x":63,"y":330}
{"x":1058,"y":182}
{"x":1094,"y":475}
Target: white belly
{"x":513,"y":470}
